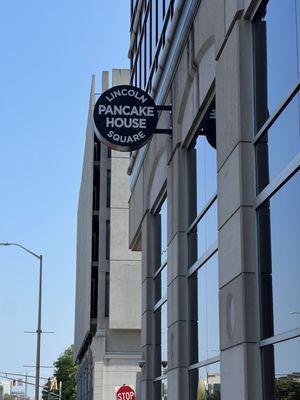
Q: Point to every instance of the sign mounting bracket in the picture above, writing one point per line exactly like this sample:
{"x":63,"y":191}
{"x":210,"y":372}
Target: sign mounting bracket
{"x":165,"y":108}
{"x":164,"y":131}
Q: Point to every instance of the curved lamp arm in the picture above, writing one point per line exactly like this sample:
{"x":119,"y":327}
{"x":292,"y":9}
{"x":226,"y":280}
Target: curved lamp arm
{"x":22,"y":247}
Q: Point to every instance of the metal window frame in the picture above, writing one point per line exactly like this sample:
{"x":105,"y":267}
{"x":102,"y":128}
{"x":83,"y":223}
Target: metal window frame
{"x":155,"y":283}
{"x":276,"y":184}
{"x":281,"y":337}
{"x":160,"y":303}
{"x":160,"y":269}
{"x":204,"y":363}
{"x":203,"y":259}
{"x":160,"y":378}
{"x":270,"y":121}
{"x":202,"y":213}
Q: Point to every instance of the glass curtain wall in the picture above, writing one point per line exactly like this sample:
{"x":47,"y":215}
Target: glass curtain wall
{"x":203,"y":262}
{"x":277,"y":144}
{"x":154,"y":21}
{"x":160,"y":306}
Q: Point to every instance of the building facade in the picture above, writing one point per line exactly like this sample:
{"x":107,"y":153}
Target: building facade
{"x":215,"y":207}
{"x":6,"y":385}
{"x":107,"y":312}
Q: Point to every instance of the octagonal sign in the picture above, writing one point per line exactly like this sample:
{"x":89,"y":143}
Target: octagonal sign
{"x":125,"y":392}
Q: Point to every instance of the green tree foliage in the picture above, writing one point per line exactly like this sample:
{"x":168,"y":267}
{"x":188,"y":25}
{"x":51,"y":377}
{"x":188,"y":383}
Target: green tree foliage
{"x":64,"y":371}
{"x":8,"y":396}
{"x":287,"y":389}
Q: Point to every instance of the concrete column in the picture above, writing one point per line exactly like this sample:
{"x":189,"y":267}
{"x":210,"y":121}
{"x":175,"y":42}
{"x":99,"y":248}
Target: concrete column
{"x":147,"y":339}
{"x":177,"y":279}
{"x":238,"y":273}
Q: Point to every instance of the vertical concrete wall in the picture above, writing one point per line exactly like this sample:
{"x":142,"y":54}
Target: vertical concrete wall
{"x":110,"y":354}
{"x":125,"y":266}
{"x":84,"y":236}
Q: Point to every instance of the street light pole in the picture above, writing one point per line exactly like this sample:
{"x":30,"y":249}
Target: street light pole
{"x":39,"y":324}
{"x":39,"y":332}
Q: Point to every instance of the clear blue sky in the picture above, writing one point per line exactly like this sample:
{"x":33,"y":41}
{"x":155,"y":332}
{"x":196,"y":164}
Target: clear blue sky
{"x":49,"y":50}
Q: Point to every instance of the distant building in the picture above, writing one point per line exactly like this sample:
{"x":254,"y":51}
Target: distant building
{"x":6,"y":387}
{"x":294,"y":377}
{"x":108,"y":274}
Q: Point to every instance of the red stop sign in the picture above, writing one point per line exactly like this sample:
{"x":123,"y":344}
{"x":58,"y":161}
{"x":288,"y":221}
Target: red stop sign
{"x":125,"y":393}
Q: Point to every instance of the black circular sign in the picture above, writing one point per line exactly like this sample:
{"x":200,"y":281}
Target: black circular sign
{"x":125,"y":117}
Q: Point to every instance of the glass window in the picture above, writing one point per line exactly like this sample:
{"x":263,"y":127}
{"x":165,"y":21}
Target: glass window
{"x":169,"y":7}
{"x":160,"y":284}
{"x":164,"y":224}
{"x":153,"y":14}
{"x":161,"y":340}
{"x":161,"y":389}
{"x":135,"y":81}
{"x":205,"y":182}
{"x":153,"y":27}
{"x":142,"y":15}
{"x":277,"y":72}
{"x":279,"y":227}
{"x":138,"y":69}
{"x":148,"y":47}
{"x":142,"y":54}
{"x":279,"y":145}
{"x":282,"y":370}
{"x":282,"y":51}
{"x":160,"y":16}
{"x":164,"y":336}
{"x":203,"y":235}
{"x":205,"y":383}
{"x":160,"y":289}
{"x":202,"y":181}
{"x":204,"y":312}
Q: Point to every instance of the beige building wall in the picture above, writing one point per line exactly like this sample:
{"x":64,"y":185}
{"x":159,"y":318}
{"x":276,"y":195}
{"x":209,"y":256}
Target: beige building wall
{"x":111,"y":357}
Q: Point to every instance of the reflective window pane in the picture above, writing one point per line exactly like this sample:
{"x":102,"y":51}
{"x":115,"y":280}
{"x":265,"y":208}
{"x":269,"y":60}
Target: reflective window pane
{"x":161,"y":340}
{"x":282,"y":370}
{"x":281,"y":72}
{"x":143,"y":61}
{"x":160,"y":283}
{"x":138,"y":70}
{"x":205,"y":383}
{"x":279,"y":145}
{"x":164,"y":334}
{"x":160,"y":16}
{"x":164,"y":224}
{"x":203,"y":235}
{"x":148,"y":47}
{"x":154,"y":27}
{"x":279,"y":227}
{"x":161,"y":389}
{"x":202,"y":175}
{"x":161,"y":245}
{"x":204,"y":312}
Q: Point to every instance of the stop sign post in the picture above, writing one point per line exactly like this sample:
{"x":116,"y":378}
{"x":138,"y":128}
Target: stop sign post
{"x":125,"y":393}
